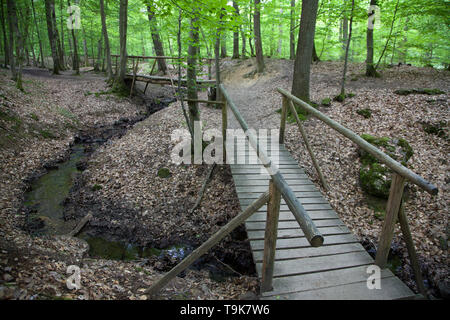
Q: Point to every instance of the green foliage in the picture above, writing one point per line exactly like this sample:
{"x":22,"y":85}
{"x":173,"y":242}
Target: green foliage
{"x":366,"y":113}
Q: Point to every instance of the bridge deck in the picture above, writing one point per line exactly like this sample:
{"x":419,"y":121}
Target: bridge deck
{"x":337,"y":270}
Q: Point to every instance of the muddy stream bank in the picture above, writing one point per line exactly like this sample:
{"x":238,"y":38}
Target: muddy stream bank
{"x":57,"y":198}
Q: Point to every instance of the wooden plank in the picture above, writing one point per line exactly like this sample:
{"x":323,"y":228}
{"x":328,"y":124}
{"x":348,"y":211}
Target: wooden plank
{"x":299,"y":186}
{"x":288,"y":177}
{"x":307,"y":206}
{"x":286,"y":215}
{"x":286,"y":268}
{"x":308,"y":252}
{"x":257,"y":166}
{"x":258,"y":170}
{"x":391,"y":289}
{"x":261,"y":225}
{"x":296,"y":233}
{"x":314,"y":281}
{"x":254,"y":195}
{"x":302,"y":200}
{"x":303,"y":243}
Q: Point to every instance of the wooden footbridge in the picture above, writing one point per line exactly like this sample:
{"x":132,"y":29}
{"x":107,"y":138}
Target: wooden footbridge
{"x":302,"y":250}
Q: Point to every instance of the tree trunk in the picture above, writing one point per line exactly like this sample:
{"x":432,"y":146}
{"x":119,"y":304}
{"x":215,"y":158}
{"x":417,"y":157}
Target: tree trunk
{"x":157,"y":44}
{"x":280,"y":34}
{"x":223,"y":44}
{"x":62,"y":33}
{"x":236,"y":34}
{"x":342,"y":94}
{"x":5,"y":39}
{"x":191,"y":74}
{"x":97,"y":65}
{"x":302,"y":65}
{"x":14,"y":30}
{"x":258,"y":41}
{"x":344,"y":31}
{"x":41,"y":52}
{"x":370,"y":68}
{"x":120,"y":80}
{"x":52,"y":34}
{"x":85,"y":48}
{"x":106,"y":40}
{"x":315,"y":57}
{"x":291,"y":32}
{"x":75,"y":58}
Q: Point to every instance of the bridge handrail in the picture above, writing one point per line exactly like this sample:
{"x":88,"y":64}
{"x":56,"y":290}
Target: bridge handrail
{"x":377,"y":153}
{"x":310,"y":230}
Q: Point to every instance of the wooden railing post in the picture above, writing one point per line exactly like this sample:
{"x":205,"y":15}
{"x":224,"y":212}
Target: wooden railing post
{"x":224,"y":128}
{"x":411,"y":249}
{"x":283,"y":118}
{"x":392,"y":209}
{"x":270,"y":237}
{"x":308,"y":146}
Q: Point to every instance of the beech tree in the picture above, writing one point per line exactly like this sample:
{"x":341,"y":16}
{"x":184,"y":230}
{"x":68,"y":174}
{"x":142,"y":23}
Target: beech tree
{"x":302,"y":65}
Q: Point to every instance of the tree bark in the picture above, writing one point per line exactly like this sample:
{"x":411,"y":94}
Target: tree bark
{"x":344,"y":31}
{"x":236,"y":33}
{"x":52,"y":34}
{"x":291,"y":32}
{"x":120,"y":80}
{"x":97,"y":65}
{"x":106,"y":40}
{"x":41,"y":52}
{"x":302,"y":65}
{"x":62,"y":33}
{"x":223,"y":44}
{"x":75,"y":58}
{"x":18,"y":44}
{"x":342,"y":94}
{"x":191,"y":74}
{"x":370,"y":68}
{"x":280,"y":35}
{"x":258,"y":42}
{"x":157,"y":43}
{"x":5,"y":39}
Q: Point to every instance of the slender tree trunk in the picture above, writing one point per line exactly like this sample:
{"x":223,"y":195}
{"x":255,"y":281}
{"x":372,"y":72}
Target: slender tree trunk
{"x":191,"y":74}
{"x":18,"y":44}
{"x":58,"y":40}
{"x":106,"y":40}
{"x":61,"y":18}
{"x":302,"y":65}
{"x":5,"y":39}
{"x":52,"y":34}
{"x":119,"y":85}
{"x":280,"y":34}
{"x":258,"y":41}
{"x":223,"y":45}
{"x":236,"y":33}
{"x":344,"y":31}
{"x":97,"y":65}
{"x":85,"y":49}
{"x":41,"y":52}
{"x":390,"y":34}
{"x":75,"y":57}
{"x":370,"y":69}
{"x":157,"y":43}
{"x":244,"y":43}
{"x":342,"y":94}
{"x":291,"y":32}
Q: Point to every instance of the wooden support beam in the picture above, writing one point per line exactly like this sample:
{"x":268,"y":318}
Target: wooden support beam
{"x":411,"y":249}
{"x":308,"y":146}
{"x":283,"y":119}
{"x":134,"y":75}
{"x":218,"y":236}
{"x":224,"y":128}
{"x":392,"y":208}
{"x":153,"y":67}
{"x":270,"y":237}
{"x":204,"y":101}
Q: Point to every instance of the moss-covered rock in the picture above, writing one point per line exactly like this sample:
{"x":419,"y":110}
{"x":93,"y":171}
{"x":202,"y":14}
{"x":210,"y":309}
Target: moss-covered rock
{"x":437,"y":128}
{"x":326,"y":102}
{"x":164,"y":173}
{"x":366,"y":113}
{"x":375,"y":177}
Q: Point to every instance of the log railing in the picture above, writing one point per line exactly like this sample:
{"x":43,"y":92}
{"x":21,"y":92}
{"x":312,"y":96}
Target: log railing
{"x":400,"y":174}
{"x":278,"y":188}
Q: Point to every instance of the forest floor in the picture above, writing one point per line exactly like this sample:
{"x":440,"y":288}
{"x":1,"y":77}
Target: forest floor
{"x":121,"y":186}
{"x":392,"y":115}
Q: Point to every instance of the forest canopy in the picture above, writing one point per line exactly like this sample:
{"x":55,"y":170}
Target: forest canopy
{"x":415,"y":32}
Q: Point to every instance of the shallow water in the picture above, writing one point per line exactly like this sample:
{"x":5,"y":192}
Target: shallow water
{"x":48,"y":193}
